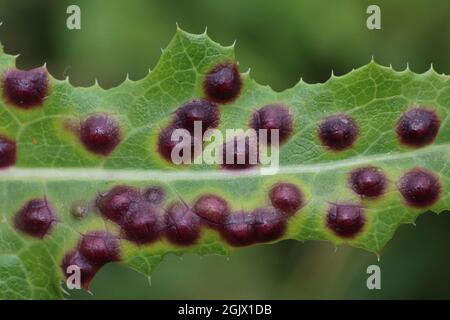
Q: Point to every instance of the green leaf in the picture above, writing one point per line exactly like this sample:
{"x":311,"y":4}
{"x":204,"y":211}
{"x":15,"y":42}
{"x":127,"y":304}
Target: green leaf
{"x":52,"y":163}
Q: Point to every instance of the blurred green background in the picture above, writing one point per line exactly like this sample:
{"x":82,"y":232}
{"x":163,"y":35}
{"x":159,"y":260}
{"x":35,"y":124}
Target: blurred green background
{"x":281,"y":41}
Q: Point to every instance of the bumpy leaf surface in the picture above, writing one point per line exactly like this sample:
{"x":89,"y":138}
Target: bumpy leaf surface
{"x":53,"y":164}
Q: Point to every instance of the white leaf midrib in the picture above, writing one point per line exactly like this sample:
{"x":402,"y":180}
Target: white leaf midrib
{"x":100,"y":174}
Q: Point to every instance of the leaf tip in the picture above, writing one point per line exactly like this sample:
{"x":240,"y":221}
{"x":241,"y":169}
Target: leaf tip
{"x":432,"y":70}
{"x":407,"y":69}
{"x":332,"y":75}
{"x":431,"y":67}
{"x":231,"y":46}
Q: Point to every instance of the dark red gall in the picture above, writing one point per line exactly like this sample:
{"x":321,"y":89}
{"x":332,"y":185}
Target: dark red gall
{"x":269,"y":225}
{"x":115,"y":203}
{"x":154,"y":195}
{"x":143,"y":223}
{"x":100,"y":133}
{"x":99,"y":247}
{"x":36,"y":218}
{"x":183,"y":225}
{"x":338,"y":132}
{"x":7,"y":152}
{"x":368,"y":182}
{"x":345,"y":220}
{"x":199,"y":110}
{"x":212,"y":209}
{"x":182,"y":140}
{"x":418,"y":127}
{"x":420,"y":188}
{"x":25,"y":89}
{"x":239,"y":229}
{"x":240,"y":153}
{"x":87,"y":270}
{"x":270,"y":117}
{"x":286,"y":197}
{"x":223,"y":83}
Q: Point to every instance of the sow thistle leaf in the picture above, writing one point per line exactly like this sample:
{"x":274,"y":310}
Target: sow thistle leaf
{"x":361,"y":154}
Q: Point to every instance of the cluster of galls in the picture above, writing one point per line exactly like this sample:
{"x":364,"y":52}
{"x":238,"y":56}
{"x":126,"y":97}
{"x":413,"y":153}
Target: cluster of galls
{"x":25,"y":90}
{"x":419,"y":188}
{"x":142,"y":219}
{"x":417,"y":127}
{"x":184,"y":119}
{"x":36,"y":218}
{"x":262,"y":224}
{"x":222,"y":85}
{"x":140,"y":214}
{"x":100,"y":133}
{"x":93,"y":251}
